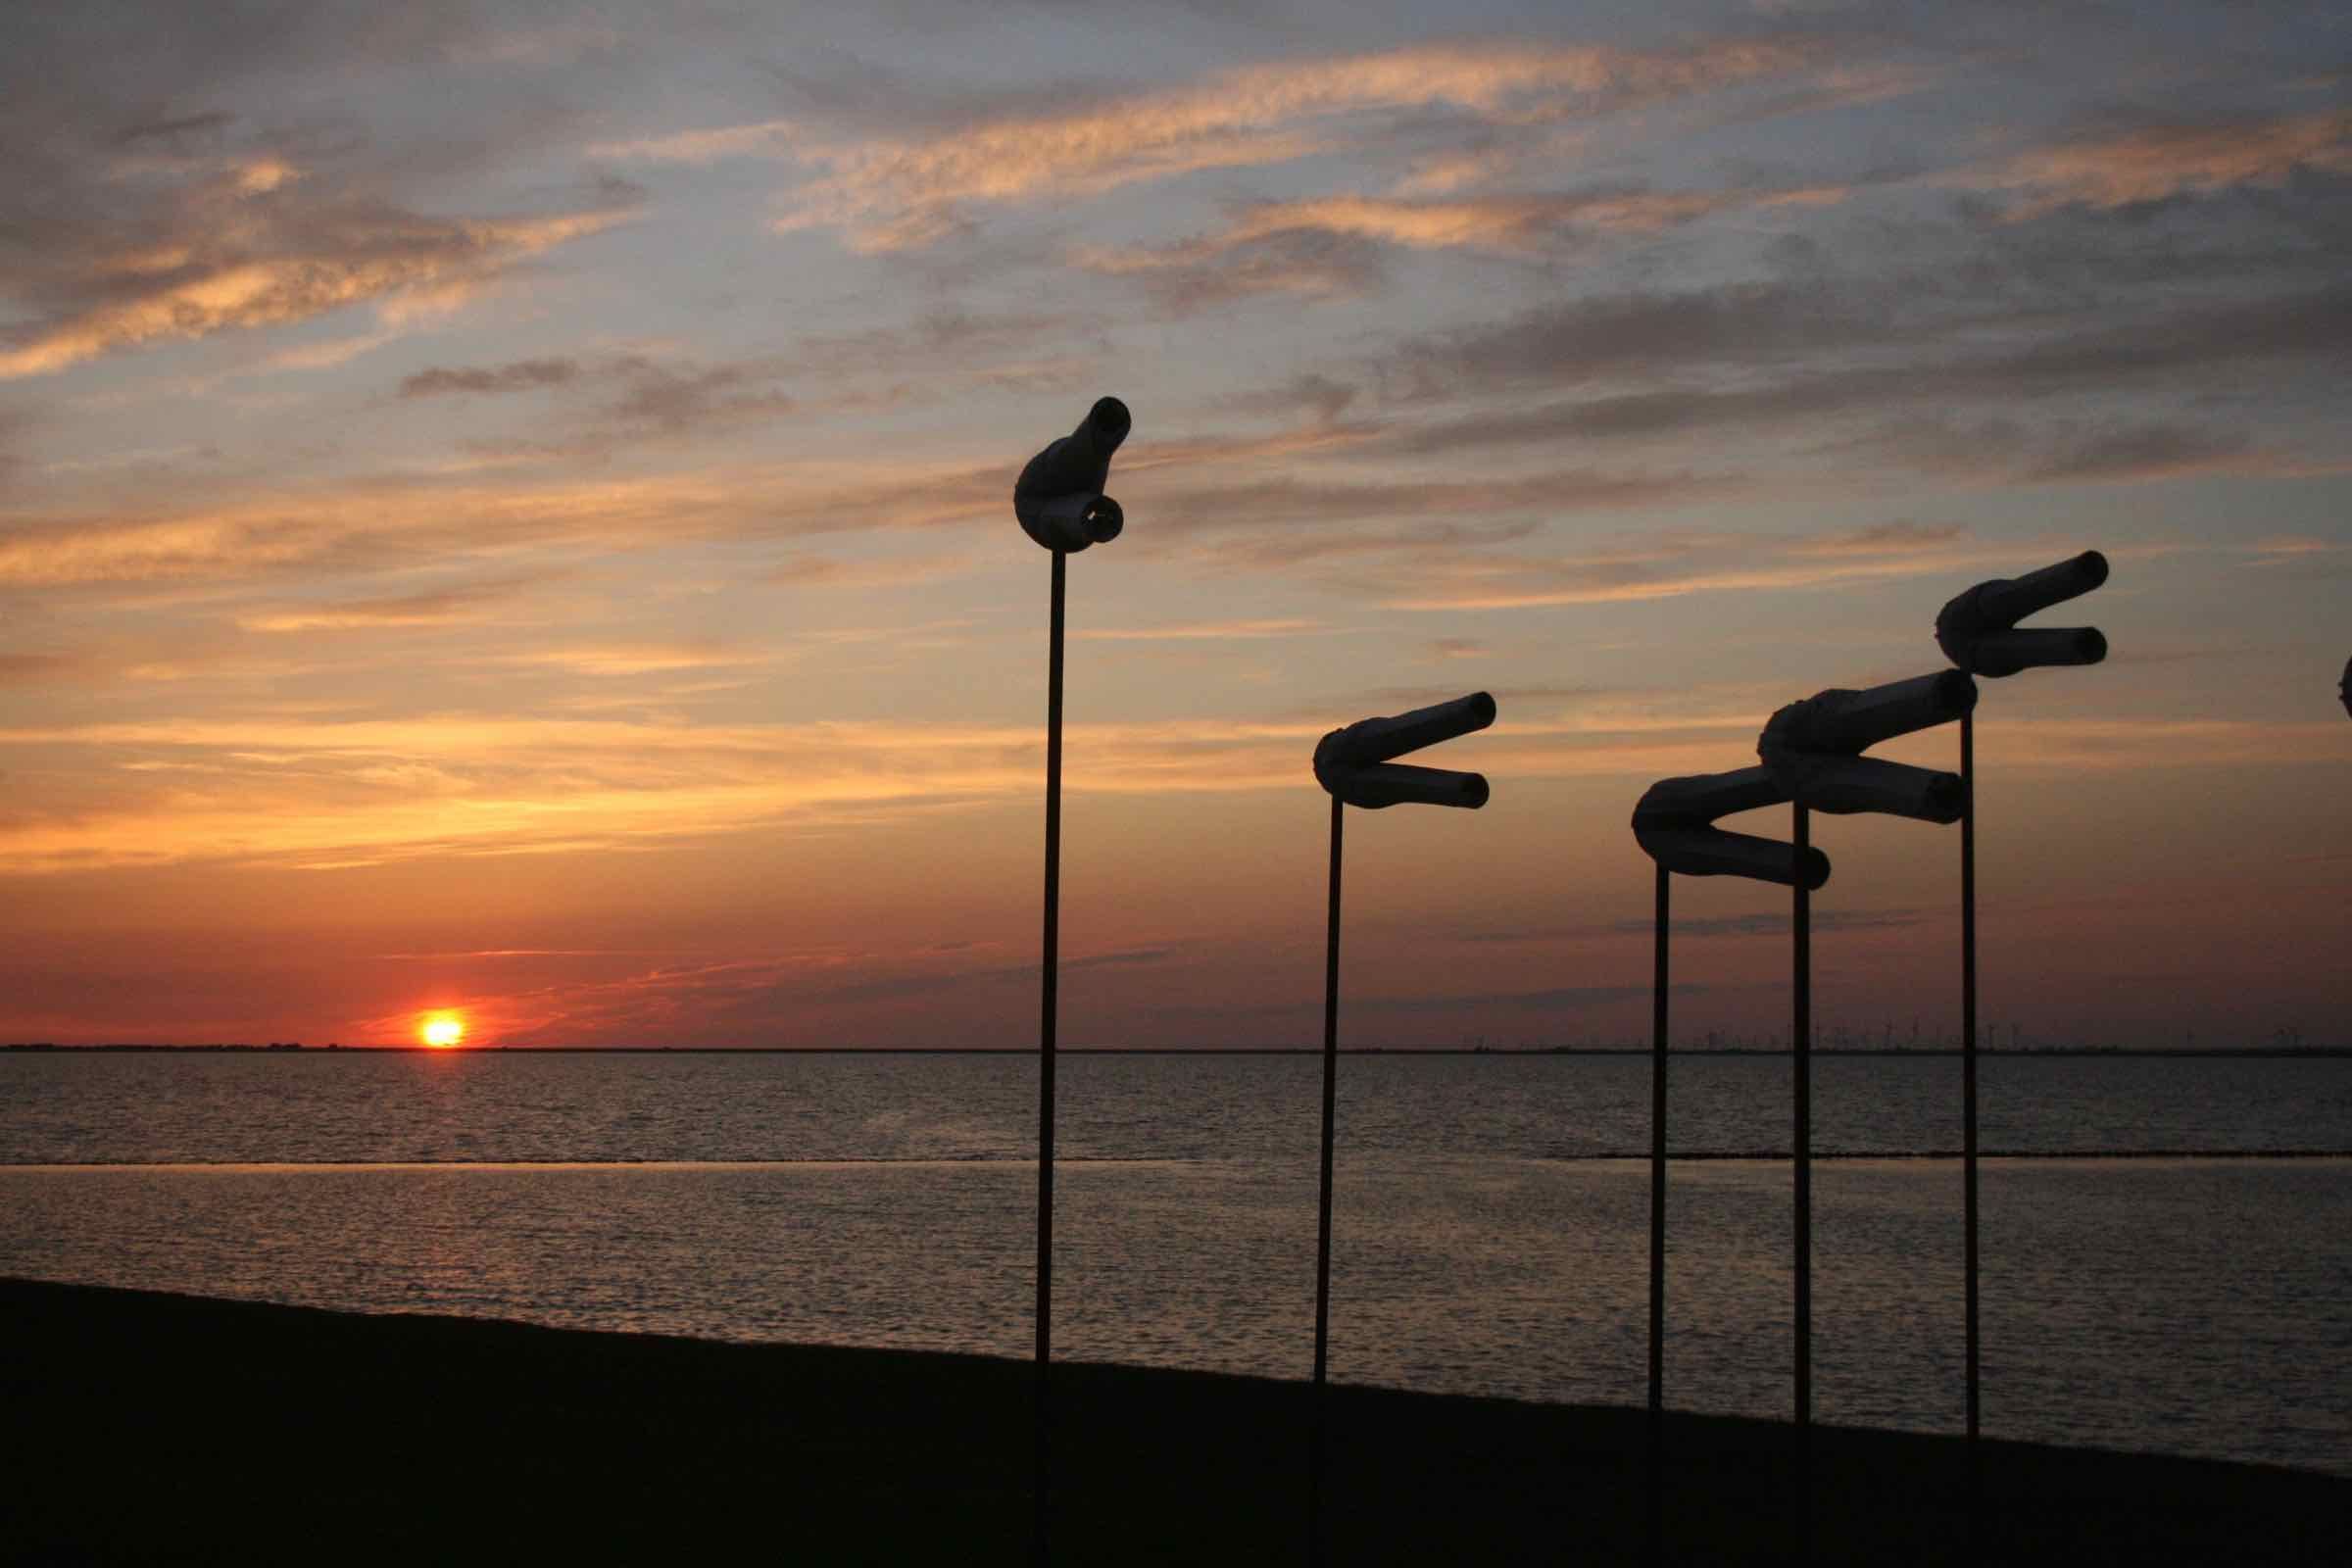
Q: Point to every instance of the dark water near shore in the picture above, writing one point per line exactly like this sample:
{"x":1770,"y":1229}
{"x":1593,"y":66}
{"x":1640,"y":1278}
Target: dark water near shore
{"x":1490,"y":1230}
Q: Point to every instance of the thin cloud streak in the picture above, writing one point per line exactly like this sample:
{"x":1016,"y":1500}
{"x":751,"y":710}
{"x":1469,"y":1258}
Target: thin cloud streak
{"x":887,"y":195}
{"x":327,"y":794}
{"x":2158,"y":161}
{"x":405,"y":263}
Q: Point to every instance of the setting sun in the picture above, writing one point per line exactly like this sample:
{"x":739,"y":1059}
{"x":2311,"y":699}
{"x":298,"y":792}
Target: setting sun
{"x":442,"y":1030}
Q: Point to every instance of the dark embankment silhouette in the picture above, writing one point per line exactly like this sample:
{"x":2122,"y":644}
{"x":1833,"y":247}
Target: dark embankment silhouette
{"x":150,"y":1426}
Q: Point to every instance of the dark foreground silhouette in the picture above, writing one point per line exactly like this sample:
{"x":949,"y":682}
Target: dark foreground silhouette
{"x":160,"y":1426}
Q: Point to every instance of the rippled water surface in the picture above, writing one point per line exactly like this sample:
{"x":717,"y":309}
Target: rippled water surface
{"x":1490,"y":1238}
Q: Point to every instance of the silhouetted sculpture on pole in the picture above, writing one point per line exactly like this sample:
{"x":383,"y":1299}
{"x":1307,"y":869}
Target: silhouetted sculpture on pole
{"x":1060,"y":502}
{"x":1674,"y":824}
{"x":2343,"y":687}
{"x":1059,"y":497}
{"x":1978,"y":631}
{"x":1356,"y":767}
{"x":1813,"y":750}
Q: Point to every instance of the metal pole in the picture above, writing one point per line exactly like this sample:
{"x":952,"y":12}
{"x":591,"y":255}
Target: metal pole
{"x":1050,"y":982}
{"x":1968,"y":1117}
{"x":1802,"y":1051}
{"x":1331,"y":1077}
{"x":1968,"y":1043}
{"x":1657,"y":1226}
{"x":1657,"y":1165}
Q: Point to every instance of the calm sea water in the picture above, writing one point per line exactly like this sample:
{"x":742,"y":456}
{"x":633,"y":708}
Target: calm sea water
{"x":1491,"y":1230}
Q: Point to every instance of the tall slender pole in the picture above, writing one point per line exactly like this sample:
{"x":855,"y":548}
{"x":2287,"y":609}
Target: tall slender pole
{"x":1657,"y":1226}
{"x":1968,"y":1043}
{"x":1802,"y":1051}
{"x":1967,"y":1114}
{"x":1657,"y":1164}
{"x":1318,"y":1459}
{"x":1050,"y":971}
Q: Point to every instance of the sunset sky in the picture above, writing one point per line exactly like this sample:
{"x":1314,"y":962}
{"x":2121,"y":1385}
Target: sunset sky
{"x":506,"y":508}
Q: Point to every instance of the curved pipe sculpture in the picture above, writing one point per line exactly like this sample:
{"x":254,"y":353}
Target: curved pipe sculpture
{"x":1356,"y":767}
{"x":1674,"y":824}
{"x":1058,"y":501}
{"x":1353,"y":765}
{"x":1059,"y":497}
{"x":1979,"y":632}
{"x":1813,"y":749}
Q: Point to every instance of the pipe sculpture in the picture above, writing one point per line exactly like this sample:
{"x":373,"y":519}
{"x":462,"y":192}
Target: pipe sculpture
{"x":1674,"y":823}
{"x":1059,"y":497}
{"x":1978,"y":631}
{"x":1060,"y":503}
{"x":1356,"y":767}
{"x":1812,"y":748}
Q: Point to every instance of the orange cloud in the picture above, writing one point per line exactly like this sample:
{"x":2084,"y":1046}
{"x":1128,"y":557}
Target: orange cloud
{"x":1208,"y":631}
{"x":2161,"y":160}
{"x":1274,"y":246}
{"x":321,"y":795}
{"x":896,"y":194}
{"x":391,"y":258}
{"x":1676,"y":567}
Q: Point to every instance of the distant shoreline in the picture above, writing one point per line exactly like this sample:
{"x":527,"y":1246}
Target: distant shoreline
{"x":2184,"y":1053}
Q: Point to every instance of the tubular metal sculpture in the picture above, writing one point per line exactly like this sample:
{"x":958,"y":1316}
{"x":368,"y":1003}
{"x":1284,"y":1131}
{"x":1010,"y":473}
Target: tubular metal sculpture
{"x":1978,"y":631}
{"x":1813,"y":749}
{"x":1356,"y":766}
{"x":1059,"y":497}
{"x":1060,"y":503}
{"x":1674,"y":823}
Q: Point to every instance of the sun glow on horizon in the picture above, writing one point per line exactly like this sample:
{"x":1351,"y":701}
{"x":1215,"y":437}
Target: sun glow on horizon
{"x":442,"y":1031}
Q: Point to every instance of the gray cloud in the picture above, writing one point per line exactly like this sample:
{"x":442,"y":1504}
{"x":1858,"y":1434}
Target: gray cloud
{"x":1773,"y":337}
{"x":899,"y":988}
{"x":1778,"y":925}
{"x":2147,"y":451}
{"x":438,"y":607}
{"x":522,"y":375}
{"x":1310,"y":262}
{"x":1647,"y":334}
{"x":1249,"y":509}
{"x":28,"y":669}
{"x":147,"y":201}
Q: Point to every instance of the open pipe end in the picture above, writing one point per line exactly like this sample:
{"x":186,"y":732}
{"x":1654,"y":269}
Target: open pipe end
{"x":1941,"y":799}
{"x":1108,"y":422}
{"x":1103,"y":518}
